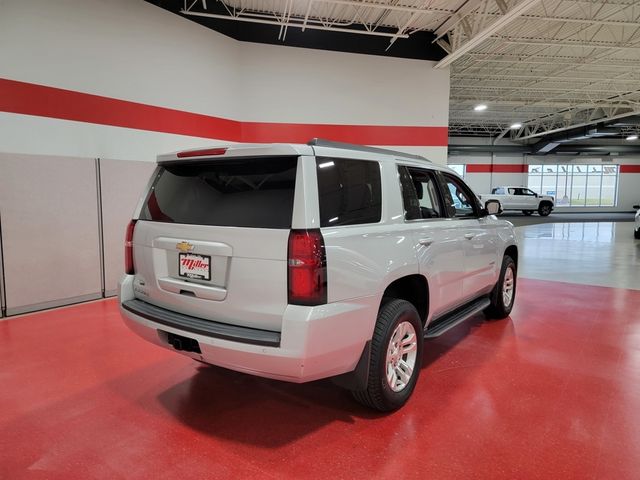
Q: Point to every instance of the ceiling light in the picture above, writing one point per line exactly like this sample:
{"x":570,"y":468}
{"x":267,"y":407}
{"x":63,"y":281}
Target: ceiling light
{"x":632,"y":137}
{"x":515,"y":125}
{"x":479,"y":108}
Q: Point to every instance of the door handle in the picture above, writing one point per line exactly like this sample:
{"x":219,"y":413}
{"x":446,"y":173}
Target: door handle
{"x":469,"y":236}
{"x":425,"y":241}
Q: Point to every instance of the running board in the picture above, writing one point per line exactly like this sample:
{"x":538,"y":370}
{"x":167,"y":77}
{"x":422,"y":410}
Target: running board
{"x":450,"y":320}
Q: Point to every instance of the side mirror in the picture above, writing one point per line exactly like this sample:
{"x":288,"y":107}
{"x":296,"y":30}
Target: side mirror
{"x":493,"y":207}
{"x":637,"y":207}
{"x":536,"y":195}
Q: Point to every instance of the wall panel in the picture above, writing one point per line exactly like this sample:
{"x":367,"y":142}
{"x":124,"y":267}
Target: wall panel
{"x":50,"y":238}
{"x":122,"y":184}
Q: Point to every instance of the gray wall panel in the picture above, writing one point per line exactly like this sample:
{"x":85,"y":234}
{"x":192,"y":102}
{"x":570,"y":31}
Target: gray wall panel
{"x":49,"y":230}
{"x":122,"y":183}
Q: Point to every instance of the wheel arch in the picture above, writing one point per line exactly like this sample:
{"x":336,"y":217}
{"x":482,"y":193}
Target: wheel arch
{"x":414,"y":288}
{"x":512,"y":251}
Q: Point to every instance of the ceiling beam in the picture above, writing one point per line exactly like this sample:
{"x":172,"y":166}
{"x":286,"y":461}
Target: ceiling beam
{"x":292,"y":22}
{"x":487,"y":32}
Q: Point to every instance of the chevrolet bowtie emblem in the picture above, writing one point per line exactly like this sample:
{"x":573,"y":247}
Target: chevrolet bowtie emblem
{"x":184,"y":247}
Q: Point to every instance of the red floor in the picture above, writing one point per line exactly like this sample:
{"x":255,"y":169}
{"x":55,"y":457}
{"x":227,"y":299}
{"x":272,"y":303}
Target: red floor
{"x":553,"y":392}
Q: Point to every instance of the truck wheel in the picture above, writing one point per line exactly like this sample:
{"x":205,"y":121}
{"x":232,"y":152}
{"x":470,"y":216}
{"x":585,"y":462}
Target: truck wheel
{"x":544,"y":209}
{"x":396,"y":357}
{"x":527,"y":212}
{"x":504,"y":293}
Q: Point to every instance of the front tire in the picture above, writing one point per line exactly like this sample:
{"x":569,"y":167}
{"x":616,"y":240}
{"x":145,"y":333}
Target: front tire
{"x":503,"y":294}
{"x":545,"y":209}
{"x":527,"y":212}
{"x":396,"y":357}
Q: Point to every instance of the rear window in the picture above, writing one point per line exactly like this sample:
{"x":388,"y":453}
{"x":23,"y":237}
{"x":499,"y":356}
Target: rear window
{"x":256,"y":192}
{"x":349,"y":191}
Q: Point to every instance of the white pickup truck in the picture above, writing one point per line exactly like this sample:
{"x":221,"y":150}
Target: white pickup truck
{"x":521,"y":198}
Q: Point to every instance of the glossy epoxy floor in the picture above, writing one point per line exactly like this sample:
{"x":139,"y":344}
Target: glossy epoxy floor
{"x":551,"y":392}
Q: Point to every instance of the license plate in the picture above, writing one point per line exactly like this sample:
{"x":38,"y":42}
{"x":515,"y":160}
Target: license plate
{"x":191,"y":265}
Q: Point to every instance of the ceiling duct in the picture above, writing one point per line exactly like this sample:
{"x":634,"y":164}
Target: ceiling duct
{"x":548,"y":143}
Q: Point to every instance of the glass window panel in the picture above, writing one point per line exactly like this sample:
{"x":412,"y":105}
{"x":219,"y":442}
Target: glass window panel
{"x":563,"y":189}
{"x":609,"y":188}
{"x":578,"y":187}
{"x":549,"y":182}
{"x":593,"y":188}
{"x":534,"y":180}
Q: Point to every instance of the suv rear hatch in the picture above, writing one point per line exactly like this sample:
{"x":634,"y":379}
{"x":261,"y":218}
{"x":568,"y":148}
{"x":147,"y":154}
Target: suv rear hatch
{"x":211,"y":239}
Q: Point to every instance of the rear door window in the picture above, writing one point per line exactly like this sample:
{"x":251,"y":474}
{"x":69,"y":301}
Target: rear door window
{"x":349,"y":191}
{"x":249,"y":192}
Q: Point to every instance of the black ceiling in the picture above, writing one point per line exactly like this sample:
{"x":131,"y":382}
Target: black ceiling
{"x":418,"y":46}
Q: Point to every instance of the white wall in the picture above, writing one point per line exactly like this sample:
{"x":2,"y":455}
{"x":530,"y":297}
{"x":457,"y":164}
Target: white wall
{"x":126,"y":49}
{"x":132,"y":50}
{"x":282,"y":84}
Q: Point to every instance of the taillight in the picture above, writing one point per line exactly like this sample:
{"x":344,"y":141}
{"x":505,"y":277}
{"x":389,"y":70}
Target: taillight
{"x":307,"y":268}
{"x":128,"y":249}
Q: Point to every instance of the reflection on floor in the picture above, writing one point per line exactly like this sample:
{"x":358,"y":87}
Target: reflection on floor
{"x":551,"y":392}
{"x":603,"y":254}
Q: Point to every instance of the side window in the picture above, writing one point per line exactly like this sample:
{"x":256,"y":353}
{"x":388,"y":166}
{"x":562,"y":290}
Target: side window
{"x":349,"y":191}
{"x":512,"y":191}
{"x":498,"y":191}
{"x":460,"y":199}
{"x":420,"y":194}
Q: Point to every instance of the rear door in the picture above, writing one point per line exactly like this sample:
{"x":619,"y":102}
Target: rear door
{"x":211,"y":240}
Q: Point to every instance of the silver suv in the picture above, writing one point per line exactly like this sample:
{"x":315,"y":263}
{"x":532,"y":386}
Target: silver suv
{"x":301,"y":262}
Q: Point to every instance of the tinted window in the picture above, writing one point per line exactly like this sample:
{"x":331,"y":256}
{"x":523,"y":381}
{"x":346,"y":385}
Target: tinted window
{"x":420,"y":194}
{"x":349,"y":191}
{"x":254,"y":192}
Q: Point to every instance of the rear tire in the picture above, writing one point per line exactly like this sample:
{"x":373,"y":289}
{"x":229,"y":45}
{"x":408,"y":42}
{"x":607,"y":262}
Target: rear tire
{"x":527,"y":212}
{"x":503,"y":294}
{"x":636,"y":234}
{"x":545,"y":209}
{"x":396,"y":357}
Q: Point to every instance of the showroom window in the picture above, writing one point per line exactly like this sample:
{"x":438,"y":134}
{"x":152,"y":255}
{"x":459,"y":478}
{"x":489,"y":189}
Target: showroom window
{"x":458,"y":168}
{"x":576,"y":185}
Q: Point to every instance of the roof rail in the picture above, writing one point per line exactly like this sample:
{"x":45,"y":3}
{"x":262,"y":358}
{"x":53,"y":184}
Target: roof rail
{"x":319,"y":142}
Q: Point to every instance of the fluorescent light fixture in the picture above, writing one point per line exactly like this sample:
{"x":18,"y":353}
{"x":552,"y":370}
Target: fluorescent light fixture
{"x":480,"y":108}
{"x":515,"y":125}
{"x":632,"y":137}
{"x":326,"y":164}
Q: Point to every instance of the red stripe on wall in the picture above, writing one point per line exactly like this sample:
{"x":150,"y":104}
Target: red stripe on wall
{"x":495,"y":168}
{"x":629,"y":168}
{"x":39,"y":100}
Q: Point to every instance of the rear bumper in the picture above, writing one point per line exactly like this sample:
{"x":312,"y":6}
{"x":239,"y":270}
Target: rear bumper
{"x":315,"y":342}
